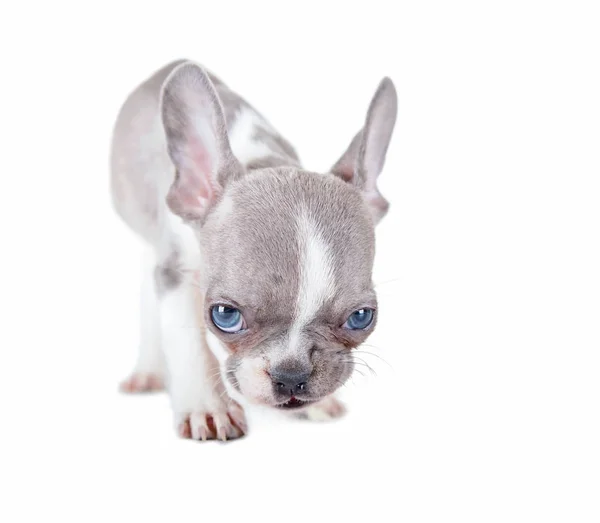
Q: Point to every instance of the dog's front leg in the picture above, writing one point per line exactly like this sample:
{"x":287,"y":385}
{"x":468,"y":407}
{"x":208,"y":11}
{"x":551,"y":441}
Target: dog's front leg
{"x":201,"y":406}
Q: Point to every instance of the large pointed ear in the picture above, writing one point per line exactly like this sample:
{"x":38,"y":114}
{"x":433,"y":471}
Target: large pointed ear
{"x":363,"y":161}
{"x":197,"y":142}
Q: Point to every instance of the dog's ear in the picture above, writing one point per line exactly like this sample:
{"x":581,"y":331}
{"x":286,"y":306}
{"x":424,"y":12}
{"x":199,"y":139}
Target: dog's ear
{"x":197,"y":141}
{"x":363,"y":161}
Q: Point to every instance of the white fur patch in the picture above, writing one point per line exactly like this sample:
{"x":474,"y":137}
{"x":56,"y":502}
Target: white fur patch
{"x":224,"y":209}
{"x":187,"y":361}
{"x":221,"y":353}
{"x":181,"y":236}
{"x":317,"y":282}
{"x":254,"y":382}
{"x":217,"y":348}
{"x":241,"y":137}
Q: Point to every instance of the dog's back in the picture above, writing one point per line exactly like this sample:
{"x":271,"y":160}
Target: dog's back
{"x":141,"y":170}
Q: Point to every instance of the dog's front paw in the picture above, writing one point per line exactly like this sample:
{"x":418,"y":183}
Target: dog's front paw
{"x":140,"y":382}
{"x":325,"y":410}
{"x":226,"y":422}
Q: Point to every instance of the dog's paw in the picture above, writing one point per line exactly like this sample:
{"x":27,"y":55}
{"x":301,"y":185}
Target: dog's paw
{"x":140,"y":382}
{"x":325,"y":410}
{"x":226,"y":423}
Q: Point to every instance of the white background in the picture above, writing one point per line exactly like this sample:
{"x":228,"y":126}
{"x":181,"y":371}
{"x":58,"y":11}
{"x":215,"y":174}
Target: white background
{"x":488,"y":264}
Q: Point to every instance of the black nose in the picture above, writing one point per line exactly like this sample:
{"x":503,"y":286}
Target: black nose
{"x":289,"y":382}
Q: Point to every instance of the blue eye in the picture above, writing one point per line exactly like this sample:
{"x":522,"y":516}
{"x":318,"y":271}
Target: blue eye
{"x":227,"y":318}
{"x":359,"y":320}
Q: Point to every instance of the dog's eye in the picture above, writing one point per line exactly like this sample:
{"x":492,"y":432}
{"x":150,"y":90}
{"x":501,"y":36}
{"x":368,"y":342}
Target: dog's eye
{"x":359,"y":320}
{"x":227,"y":318}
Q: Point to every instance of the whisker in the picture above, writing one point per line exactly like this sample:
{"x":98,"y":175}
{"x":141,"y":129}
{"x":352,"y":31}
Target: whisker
{"x":371,"y":370}
{"x":373,"y":354}
{"x":215,"y":387}
{"x":364,"y":365}
{"x":223,"y":394}
{"x":360,"y":372}
{"x":362,"y":362}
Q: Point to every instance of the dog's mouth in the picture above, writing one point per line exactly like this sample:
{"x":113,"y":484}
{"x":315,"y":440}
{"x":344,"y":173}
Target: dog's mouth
{"x":293,"y":403}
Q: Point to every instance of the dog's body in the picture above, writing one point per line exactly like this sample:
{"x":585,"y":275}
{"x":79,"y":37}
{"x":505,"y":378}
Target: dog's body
{"x":259,"y":276}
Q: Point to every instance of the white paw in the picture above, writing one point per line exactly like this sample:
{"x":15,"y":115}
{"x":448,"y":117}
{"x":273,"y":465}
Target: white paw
{"x":140,"y":382}
{"x":227,"y":422}
{"x":325,"y":410}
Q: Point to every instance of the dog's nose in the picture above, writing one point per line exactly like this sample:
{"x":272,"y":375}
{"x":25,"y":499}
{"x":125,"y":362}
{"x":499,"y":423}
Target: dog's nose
{"x":289,"y":381}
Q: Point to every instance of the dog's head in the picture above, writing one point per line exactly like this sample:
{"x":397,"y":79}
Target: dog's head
{"x":288,"y":254}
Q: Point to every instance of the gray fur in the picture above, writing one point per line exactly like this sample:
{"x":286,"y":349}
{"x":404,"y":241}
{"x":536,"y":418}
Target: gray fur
{"x":363,"y":161}
{"x":247,"y":227}
{"x":252,"y":262}
{"x":168,"y":275}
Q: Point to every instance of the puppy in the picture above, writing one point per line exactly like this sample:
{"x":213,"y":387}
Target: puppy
{"x":258,"y":283}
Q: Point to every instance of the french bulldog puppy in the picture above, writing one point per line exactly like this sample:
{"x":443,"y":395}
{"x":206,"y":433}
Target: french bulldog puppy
{"x":258,"y":284}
